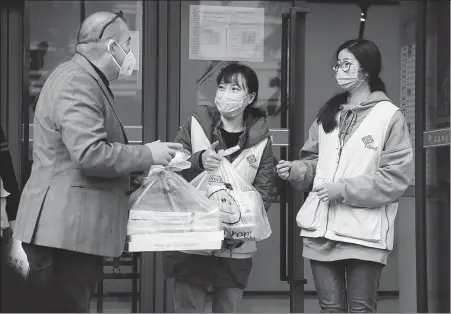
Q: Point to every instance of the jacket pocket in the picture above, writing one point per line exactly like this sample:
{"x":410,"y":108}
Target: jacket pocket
{"x":40,"y":258}
{"x":311,"y":215}
{"x":359,"y":223}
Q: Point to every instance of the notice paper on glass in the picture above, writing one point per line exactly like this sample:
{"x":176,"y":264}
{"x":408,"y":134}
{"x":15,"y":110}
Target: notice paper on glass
{"x":226,"y":33}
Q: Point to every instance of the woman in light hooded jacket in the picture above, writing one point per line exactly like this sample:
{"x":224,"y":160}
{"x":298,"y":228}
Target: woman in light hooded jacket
{"x":358,"y":161}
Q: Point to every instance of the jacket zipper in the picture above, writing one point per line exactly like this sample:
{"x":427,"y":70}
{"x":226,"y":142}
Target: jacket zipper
{"x":340,"y":149}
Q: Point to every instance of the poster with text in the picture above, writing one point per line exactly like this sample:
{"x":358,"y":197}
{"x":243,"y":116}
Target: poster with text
{"x":226,"y":33}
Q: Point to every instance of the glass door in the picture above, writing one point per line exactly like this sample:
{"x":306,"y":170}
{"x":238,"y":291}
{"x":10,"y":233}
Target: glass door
{"x":433,"y":158}
{"x":188,"y":64}
{"x":200,"y":63}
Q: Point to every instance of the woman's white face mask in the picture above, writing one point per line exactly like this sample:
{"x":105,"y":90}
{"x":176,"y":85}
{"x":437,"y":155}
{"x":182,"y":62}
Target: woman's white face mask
{"x":231,"y":99}
{"x":230,"y":105}
{"x":347,"y":70}
{"x":126,"y":69}
{"x":349,"y":80}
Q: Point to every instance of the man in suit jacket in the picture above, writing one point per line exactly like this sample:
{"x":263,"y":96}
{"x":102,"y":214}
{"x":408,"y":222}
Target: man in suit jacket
{"x":73,"y":209}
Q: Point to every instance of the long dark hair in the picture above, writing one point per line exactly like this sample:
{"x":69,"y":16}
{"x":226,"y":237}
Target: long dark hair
{"x":369,"y":57}
{"x":230,"y":73}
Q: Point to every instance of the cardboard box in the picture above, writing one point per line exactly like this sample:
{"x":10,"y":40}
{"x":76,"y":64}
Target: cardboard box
{"x":184,"y":241}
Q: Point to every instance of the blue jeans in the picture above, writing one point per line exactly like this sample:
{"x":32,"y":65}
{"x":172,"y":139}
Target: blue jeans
{"x":347,"y":285}
{"x":191,"y":298}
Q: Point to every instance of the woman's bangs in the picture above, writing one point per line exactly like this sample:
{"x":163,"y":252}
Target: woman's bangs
{"x":234,"y":78}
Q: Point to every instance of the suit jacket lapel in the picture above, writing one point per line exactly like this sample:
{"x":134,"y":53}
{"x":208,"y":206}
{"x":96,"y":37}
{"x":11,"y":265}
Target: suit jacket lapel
{"x":81,"y":60}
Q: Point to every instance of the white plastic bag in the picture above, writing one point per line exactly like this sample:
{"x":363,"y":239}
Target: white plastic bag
{"x":167,"y":206}
{"x":242,"y":210}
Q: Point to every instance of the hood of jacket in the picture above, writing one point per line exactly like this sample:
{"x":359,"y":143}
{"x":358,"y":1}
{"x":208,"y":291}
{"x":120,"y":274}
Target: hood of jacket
{"x":352,"y":115}
{"x":368,"y":103}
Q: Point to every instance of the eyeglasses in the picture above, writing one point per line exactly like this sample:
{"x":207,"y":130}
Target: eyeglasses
{"x":345,"y":66}
{"x":120,"y":14}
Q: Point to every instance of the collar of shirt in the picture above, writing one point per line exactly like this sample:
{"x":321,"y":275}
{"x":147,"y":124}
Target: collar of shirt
{"x":103,"y":77}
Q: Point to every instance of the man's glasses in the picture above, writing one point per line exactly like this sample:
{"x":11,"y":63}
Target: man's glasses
{"x":120,"y":14}
{"x":345,"y":66}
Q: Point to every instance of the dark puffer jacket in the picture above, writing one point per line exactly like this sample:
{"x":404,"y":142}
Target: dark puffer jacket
{"x":255,"y":130}
{"x":232,"y":268}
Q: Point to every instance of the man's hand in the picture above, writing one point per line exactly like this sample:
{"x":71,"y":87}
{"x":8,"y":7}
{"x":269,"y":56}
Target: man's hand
{"x":283,"y":169}
{"x":163,"y":152}
{"x":210,"y":159}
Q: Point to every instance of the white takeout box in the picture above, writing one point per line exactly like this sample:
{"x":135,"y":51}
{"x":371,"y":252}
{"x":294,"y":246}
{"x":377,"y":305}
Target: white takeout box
{"x":183,"y":241}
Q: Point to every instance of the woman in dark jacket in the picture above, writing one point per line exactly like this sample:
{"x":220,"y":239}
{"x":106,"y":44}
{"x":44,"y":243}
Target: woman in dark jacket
{"x":234,"y":121}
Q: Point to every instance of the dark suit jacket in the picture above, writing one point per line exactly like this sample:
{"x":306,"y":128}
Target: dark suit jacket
{"x":76,"y":197}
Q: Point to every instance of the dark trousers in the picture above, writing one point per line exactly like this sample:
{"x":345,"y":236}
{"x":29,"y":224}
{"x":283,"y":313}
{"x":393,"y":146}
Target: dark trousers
{"x":70,"y":277}
{"x":347,"y":285}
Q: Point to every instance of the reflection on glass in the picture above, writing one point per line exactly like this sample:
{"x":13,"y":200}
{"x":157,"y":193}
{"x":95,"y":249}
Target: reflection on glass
{"x":437,"y":66}
{"x":198,"y":77}
{"x":52,"y":40}
{"x":438,"y":159}
{"x":438,"y":229}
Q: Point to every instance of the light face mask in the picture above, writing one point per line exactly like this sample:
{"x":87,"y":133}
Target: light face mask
{"x":230,"y":105}
{"x":126,"y":69}
{"x":349,"y":80}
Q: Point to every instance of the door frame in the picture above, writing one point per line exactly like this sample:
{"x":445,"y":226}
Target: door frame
{"x":420,"y":157}
{"x":161,"y":103}
{"x":14,"y":51}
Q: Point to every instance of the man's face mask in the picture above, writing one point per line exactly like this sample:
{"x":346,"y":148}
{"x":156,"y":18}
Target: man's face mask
{"x":126,"y":69}
{"x":347,"y":76}
{"x":231,"y":104}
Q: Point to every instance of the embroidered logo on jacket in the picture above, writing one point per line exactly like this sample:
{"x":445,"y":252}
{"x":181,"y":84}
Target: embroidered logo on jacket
{"x":368,"y":141}
{"x":252,"y":161}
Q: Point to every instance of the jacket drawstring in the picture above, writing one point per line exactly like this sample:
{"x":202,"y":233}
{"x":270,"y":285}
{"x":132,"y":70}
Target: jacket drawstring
{"x":348,"y":117}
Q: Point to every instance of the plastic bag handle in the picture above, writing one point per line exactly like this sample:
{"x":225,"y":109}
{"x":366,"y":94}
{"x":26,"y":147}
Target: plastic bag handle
{"x":229,"y":151}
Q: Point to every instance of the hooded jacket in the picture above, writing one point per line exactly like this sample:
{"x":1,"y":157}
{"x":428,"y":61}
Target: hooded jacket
{"x":374,"y":189}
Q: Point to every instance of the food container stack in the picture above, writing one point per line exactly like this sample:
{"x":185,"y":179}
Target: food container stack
{"x":169,"y":214}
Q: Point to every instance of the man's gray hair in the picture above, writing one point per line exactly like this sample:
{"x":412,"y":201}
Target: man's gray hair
{"x":91,"y":28}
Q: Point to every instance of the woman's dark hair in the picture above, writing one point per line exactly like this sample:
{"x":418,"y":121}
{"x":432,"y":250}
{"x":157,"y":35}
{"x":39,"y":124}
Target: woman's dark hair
{"x":230,"y":74}
{"x":369,"y":57}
